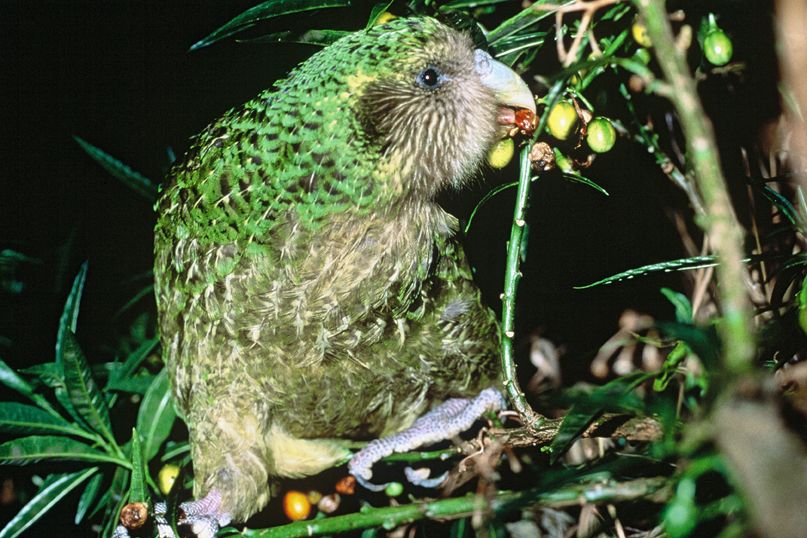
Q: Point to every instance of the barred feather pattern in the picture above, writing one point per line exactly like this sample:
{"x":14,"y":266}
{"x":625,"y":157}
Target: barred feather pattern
{"x":309,"y":286}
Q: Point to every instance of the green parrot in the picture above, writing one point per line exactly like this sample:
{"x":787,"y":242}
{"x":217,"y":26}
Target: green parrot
{"x":309,"y":286}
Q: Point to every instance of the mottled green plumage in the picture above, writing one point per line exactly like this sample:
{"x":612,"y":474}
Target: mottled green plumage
{"x":309,"y":286}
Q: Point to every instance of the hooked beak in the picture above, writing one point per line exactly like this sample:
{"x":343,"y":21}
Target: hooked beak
{"x":509,"y":88}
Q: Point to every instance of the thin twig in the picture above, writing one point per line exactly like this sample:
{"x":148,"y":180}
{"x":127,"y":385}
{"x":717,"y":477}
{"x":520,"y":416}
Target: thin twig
{"x":720,"y":224}
{"x":447,"y":509}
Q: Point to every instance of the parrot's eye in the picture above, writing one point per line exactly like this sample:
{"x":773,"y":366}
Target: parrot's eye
{"x":431,"y":78}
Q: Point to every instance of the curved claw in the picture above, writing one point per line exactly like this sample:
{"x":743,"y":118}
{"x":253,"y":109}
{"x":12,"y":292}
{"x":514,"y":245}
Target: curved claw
{"x":420,"y":477}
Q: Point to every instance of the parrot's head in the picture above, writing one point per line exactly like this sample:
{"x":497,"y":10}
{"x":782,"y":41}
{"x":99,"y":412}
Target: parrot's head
{"x":425,"y":97}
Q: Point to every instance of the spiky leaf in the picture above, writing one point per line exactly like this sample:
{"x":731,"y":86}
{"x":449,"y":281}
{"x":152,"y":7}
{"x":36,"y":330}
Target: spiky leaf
{"x":69,"y":320}
{"x":87,"y":497}
{"x":156,"y":415}
{"x":129,"y":177}
{"x":55,"y":488}
{"x":138,"y":492}
{"x":12,"y":380}
{"x":264,"y":11}
{"x":26,"y":419}
{"x":50,"y":447}
{"x":83,"y":391}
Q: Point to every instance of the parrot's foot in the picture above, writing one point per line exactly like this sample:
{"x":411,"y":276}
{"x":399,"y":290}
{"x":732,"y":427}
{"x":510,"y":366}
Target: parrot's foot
{"x":451,"y":418}
{"x":204,"y":517}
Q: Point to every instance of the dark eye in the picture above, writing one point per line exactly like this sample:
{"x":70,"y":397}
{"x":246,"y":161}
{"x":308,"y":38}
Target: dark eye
{"x":431,"y":78}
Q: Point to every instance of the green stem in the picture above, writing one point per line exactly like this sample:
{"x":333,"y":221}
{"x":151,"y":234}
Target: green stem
{"x":394,"y":516}
{"x":515,"y":251}
{"x":512,"y":276}
{"x":720,"y":223}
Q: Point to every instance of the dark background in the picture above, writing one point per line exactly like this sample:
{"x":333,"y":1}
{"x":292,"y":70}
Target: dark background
{"x":118,"y":74}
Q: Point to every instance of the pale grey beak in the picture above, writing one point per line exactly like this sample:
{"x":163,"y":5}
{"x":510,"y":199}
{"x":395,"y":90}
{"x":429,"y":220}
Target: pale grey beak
{"x":507,"y":86}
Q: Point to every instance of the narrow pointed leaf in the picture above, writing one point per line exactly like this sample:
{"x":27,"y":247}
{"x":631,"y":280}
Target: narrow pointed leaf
{"x":120,"y":171}
{"x":51,"y":447}
{"x":84,"y":393}
{"x":156,"y":415}
{"x":138,"y":492}
{"x":134,"y":385}
{"x":87,"y":497}
{"x":684,"y":264}
{"x":264,"y":11}
{"x":126,"y":369}
{"x":69,"y":320}
{"x":577,"y":178}
{"x":321,"y":38}
{"x":12,"y":380}
{"x":19,"y":418}
{"x":53,"y":491}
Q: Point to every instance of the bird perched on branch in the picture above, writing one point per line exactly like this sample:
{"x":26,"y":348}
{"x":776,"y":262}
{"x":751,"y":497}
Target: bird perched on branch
{"x":309,"y":285}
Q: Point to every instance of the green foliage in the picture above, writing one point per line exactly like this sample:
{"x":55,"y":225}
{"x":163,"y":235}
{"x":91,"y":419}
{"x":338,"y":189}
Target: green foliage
{"x":81,"y":432}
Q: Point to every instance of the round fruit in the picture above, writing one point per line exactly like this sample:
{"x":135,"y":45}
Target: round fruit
{"x":601,"y":135}
{"x":717,"y":47}
{"x":640,"y":35}
{"x":501,"y":153}
{"x":166,"y":477}
{"x":296,"y":505}
{"x":393,"y":489}
{"x":642,"y":55}
{"x":562,"y":120}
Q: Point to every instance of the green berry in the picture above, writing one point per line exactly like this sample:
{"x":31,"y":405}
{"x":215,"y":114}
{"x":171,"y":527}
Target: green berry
{"x":562,"y":120}
{"x":642,"y":55}
{"x":601,"y":135}
{"x":717,"y":47}
{"x":393,"y":489}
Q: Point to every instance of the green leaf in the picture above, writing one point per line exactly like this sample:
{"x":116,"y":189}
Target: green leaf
{"x":264,"y":11}
{"x":126,"y":369}
{"x":12,"y":380}
{"x":55,"y":488}
{"x":84,"y":393}
{"x":51,"y":447}
{"x":574,"y":176}
{"x":69,"y":320}
{"x":87,"y":497}
{"x":131,"y":178}
{"x":49,"y":373}
{"x":138,"y":491}
{"x":518,"y":43}
{"x":135,"y":385}
{"x":172,"y":450}
{"x":376,"y":12}
{"x":523,"y":19}
{"x":683,"y":308}
{"x":684,"y":264}
{"x":702,"y":341}
{"x":322,"y":38}
{"x":616,"y":395}
{"x":26,"y":419}
{"x":156,"y":415}
{"x":490,"y":194}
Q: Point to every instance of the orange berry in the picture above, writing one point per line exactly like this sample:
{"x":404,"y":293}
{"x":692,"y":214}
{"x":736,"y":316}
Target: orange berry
{"x":296,"y":505}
